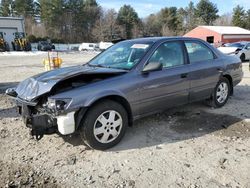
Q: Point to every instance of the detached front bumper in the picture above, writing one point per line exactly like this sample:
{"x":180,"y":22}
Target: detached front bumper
{"x":42,"y":123}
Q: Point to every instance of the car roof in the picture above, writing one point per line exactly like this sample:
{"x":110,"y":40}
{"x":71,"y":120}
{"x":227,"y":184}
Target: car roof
{"x":157,"y":39}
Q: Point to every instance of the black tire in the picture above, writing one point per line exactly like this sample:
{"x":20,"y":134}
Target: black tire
{"x":213,"y":101}
{"x":243,"y":57}
{"x":90,"y":121}
{"x":17,"y":47}
{"x":28,"y":47}
{"x":7,"y":47}
{"x":13,"y":46}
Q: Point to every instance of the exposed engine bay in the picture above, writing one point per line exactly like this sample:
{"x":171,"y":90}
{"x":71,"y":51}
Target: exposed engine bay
{"x":45,"y":115}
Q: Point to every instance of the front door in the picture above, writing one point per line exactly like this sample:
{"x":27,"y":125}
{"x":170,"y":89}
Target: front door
{"x":167,"y":87}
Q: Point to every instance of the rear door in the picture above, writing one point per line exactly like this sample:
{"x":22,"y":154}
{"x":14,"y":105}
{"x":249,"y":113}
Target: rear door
{"x":168,"y":87}
{"x":205,"y":70}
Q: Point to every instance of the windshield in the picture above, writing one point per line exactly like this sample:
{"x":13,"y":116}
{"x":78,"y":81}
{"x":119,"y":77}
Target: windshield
{"x":237,"y":45}
{"x":124,"y":55}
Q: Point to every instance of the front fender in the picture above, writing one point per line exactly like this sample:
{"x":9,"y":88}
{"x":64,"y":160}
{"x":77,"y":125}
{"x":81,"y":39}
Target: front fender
{"x":87,"y":102}
{"x":87,"y":99}
{"x":92,"y":99}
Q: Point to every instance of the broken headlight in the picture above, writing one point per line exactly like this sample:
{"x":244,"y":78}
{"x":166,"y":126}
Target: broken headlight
{"x":58,"y":104}
{"x":11,"y":92}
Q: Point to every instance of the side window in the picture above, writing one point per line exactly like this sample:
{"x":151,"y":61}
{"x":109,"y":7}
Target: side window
{"x":170,"y":54}
{"x":198,"y":52}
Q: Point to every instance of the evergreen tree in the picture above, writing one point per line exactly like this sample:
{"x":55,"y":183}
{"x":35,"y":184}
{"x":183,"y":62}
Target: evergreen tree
{"x":248,"y":19}
{"x":6,"y":7}
{"x":239,"y":16}
{"x":170,"y":21}
{"x":24,"y":7}
{"x":91,"y":12}
{"x":52,"y":15}
{"x":206,"y":11}
{"x":127,"y":18}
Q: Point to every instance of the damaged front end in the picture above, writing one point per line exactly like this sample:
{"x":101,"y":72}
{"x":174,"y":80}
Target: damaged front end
{"x":46,"y":114}
{"x":46,"y":117}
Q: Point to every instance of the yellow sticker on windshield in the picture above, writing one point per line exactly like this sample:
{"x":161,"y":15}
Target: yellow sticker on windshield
{"x":139,"y":46}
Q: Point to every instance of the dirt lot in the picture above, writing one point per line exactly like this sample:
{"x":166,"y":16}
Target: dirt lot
{"x":190,"y":146}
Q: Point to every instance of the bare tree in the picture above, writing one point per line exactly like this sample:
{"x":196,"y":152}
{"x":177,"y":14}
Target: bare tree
{"x":107,"y":28}
{"x":224,"y":20}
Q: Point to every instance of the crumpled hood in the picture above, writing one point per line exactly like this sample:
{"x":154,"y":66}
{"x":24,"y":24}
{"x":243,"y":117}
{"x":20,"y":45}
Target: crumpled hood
{"x":35,"y":86}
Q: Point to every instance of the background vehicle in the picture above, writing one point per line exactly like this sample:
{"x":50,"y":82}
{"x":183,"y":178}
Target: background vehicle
{"x":104,"y":45}
{"x":87,"y":47}
{"x":20,"y":42}
{"x":3,"y":44}
{"x":241,"y":49}
{"x":129,"y":80}
{"x":45,"y":46}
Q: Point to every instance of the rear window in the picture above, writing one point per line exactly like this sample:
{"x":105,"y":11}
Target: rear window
{"x":198,"y":52}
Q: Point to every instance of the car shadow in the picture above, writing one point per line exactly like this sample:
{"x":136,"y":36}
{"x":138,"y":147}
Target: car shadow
{"x":187,"y":122}
{"x":191,"y":121}
{"x":10,"y":111}
{"x":174,"y":125}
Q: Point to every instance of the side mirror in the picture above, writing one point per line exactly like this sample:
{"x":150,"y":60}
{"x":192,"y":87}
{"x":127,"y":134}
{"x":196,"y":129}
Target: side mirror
{"x":153,"y":66}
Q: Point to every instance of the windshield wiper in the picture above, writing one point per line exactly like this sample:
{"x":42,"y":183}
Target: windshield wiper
{"x":109,"y":67}
{"x":98,"y":65}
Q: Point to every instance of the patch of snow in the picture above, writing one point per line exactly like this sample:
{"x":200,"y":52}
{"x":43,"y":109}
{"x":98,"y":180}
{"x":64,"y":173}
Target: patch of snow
{"x":14,"y":53}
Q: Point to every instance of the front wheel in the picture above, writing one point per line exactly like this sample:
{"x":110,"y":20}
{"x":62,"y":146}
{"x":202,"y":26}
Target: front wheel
{"x":221,"y":93}
{"x":104,"y":125}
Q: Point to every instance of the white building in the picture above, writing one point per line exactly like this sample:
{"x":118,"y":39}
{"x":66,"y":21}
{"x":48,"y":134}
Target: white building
{"x":10,"y":25}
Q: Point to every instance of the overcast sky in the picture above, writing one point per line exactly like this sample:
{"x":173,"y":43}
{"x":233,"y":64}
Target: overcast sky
{"x":146,"y":7}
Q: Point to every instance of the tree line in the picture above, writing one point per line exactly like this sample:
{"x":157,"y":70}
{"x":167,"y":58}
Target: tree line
{"x":85,"y":20}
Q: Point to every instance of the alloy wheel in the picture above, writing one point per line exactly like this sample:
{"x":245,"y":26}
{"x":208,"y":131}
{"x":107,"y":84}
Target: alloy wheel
{"x":108,"y":126}
{"x":222,"y":92}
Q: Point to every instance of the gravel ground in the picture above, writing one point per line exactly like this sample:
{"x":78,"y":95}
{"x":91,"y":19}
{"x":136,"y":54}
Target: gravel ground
{"x":189,"y":146}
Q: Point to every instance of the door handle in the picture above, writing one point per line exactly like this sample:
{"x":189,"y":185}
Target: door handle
{"x":184,"y":75}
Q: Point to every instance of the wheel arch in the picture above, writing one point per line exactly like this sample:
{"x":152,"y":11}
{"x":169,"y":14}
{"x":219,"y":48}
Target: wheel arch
{"x":114,"y":97}
{"x":230,"y":79}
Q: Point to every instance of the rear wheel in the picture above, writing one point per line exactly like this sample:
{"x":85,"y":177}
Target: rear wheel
{"x":104,"y":125}
{"x":221,"y":93}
